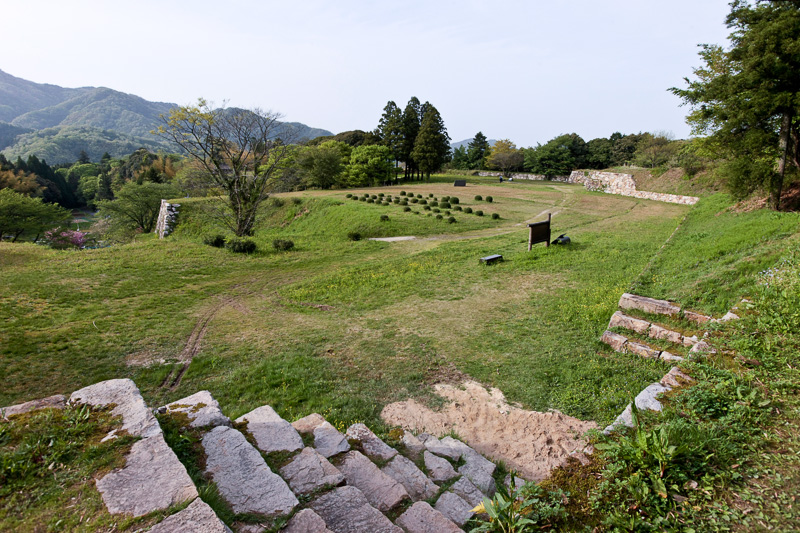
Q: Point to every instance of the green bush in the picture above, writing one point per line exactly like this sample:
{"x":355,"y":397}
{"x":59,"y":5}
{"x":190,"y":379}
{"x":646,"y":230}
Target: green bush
{"x":356,"y":198}
{"x":479,"y":213}
{"x":457,"y":208}
{"x":349,"y":195}
{"x":217,"y":241}
{"x":278,"y":202}
{"x":384,"y":218}
{"x":427,"y":208}
{"x":363,"y":199}
{"x":354,"y":236}
{"x":445,"y":198}
{"x":489,"y":199}
{"x":296,"y":200}
{"x":396,"y":200}
{"x":403,"y":202}
{"x":445,"y":205}
{"x":406,"y":209}
{"x":419,"y":196}
{"x":447,"y":213}
{"x":240,"y":246}
{"x":423,"y":202}
{"x":430,"y":195}
{"x":439,"y":217}
{"x":454,"y":200}
{"x":381,"y":194}
{"x":370,"y":200}
{"x":283,"y":245}
{"x":402,"y":193}
{"x":374,"y":196}
{"x":414,"y":200}
{"x":495,"y":216}
{"x":451,"y":220}
{"x":468,"y":210}
{"x":478,"y":197}
{"x":437,"y":210}
{"x":435,"y":203}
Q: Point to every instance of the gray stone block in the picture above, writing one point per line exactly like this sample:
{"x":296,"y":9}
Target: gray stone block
{"x":615,"y":340}
{"x":662,"y":333}
{"x":467,"y":491}
{"x":346,"y":510}
{"x":137,"y":419}
{"x":416,"y":483}
{"x":439,"y":469}
{"x":697,"y":318}
{"x":328,"y":441}
{"x":201,"y":409}
{"x":371,"y":445}
{"x":434,"y":445}
{"x":648,"y":305}
{"x":480,"y":475}
{"x":55,"y":402}
{"x":422,"y":518}
{"x":642,"y":350}
{"x":308,"y":424}
{"x":197,"y":518}
{"x":271,"y":432}
{"x":621,"y":320}
{"x":309,"y":471}
{"x":454,"y":508}
{"x":666,"y":356}
{"x":243,"y":478}
{"x":306,"y":521}
{"x":414,"y":447}
{"x":381,"y":490}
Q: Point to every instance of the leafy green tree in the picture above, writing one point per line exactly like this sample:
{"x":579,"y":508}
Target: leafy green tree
{"x":598,"y":153}
{"x":368,"y":164}
{"x":411,"y":125}
{"x":323,"y":166}
{"x":477,"y":150}
{"x":460,"y":159}
{"x":746,"y":99}
{"x":239,"y":152}
{"x":623,"y":148}
{"x":21,"y":214}
{"x":655,"y":149}
{"x":137,"y":206}
{"x":432,"y":145}
{"x":21,"y":182}
{"x":558,"y":157}
{"x":83,"y":157}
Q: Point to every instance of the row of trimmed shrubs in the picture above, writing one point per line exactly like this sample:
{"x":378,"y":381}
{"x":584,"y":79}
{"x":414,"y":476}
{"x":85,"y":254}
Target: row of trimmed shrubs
{"x":244,"y":246}
{"x":447,"y":202}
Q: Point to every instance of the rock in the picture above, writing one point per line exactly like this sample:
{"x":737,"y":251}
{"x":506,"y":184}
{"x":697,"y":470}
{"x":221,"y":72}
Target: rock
{"x":137,"y":419}
{"x":666,"y":356}
{"x":243,"y":478}
{"x":690,"y":341}
{"x":648,"y":305}
{"x":621,"y":320}
{"x":647,"y":399}
{"x":658,"y":332}
{"x":641,"y":350}
{"x":346,"y":510}
{"x":454,"y":508}
{"x":439,"y":469}
{"x":414,"y":446}
{"x":381,"y":490}
{"x":272,"y":433}
{"x":729,"y":316}
{"x":615,"y":340}
{"x":309,"y":471}
{"x":423,"y":437}
{"x":624,"y":419}
{"x":55,"y":402}
{"x":152,"y":479}
{"x":675,"y":378}
{"x":201,"y":408}
{"x":468,"y":492}
{"x":416,"y":483}
{"x":328,"y":441}
{"x":697,"y":318}
{"x":306,"y":521}
{"x":308,"y":424}
{"x":702,"y":347}
{"x":197,"y":518}
{"x":480,"y":475}
{"x":422,"y":518}
{"x":371,"y":445}
{"x":442,"y":449}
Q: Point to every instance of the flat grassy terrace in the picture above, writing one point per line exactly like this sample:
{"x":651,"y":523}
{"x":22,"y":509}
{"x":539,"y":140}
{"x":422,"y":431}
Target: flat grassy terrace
{"x":344,"y":327}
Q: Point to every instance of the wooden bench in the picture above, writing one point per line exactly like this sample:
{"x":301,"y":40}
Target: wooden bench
{"x":489,"y":259}
{"x":539,"y":232}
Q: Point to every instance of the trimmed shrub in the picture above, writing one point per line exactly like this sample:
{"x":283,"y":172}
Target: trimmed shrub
{"x":356,"y":198}
{"x":427,"y":208}
{"x":354,"y":236}
{"x":283,"y":245}
{"x":423,"y":202}
{"x":457,"y":208}
{"x":430,"y":195}
{"x":278,"y":202}
{"x":403,"y":202}
{"x":381,"y":194}
{"x":406,"y":209}
{"x":445,"y":198}
{"x":437,"y":210}
{"x":435,"y":203}
{"x":489,"y":199}
{"x":414,"y":200}
{"x":419,"y":196}
{"x":479,"y":213}
{"x":363,"y":199}
{"x":384,"y":218}
{"x":349,"y":195}
{"x":454,"y":200}
{"x":240,"y":246}
{"x":374,"y":196}
{"x":370,"y":200}
{"x":402,"y":193}
{"x":451,"y":220}
{"x":447,"y":213}
{"x":478,"y":197}
{"x":396,"y":200}
{"x":439,"y":217}
{"x":468,"y":210}
{"x":217,"y":241}
{"x":444,"y":205}
{"x":495,"y":216}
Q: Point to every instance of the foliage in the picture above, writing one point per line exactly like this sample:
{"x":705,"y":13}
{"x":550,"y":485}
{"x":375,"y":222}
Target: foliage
{"x":390,"y":129}
{"x":216,"y":240}
{"x":518,"y":509}
{"x":20,"y":214}
{"x":557,"y":157}
{"x":505,"y":156}
{"x":432,"y":144}
{"x":137,"y":206}
{"x":283,"y":245}
{"x":21,"y":182}
{"x":477,"y":151}
{"x":368,"y":164}
{"x":65,"y":239}
{"x":324,"y":165}
{"x":240,"y":246}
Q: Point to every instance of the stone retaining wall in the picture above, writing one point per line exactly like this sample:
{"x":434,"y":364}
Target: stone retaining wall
{"x":167,"y":218}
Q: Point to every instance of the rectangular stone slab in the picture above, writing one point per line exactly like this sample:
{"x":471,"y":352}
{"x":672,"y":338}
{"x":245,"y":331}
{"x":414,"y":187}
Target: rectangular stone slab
{"x":416,"y":483}
{"x":422,"y":518}
{"x":381,"y":490}
{"x":309,"y":471}
{"x":197,"y":518}
{"x":621,"y":320}
{"x":346,"y":510}
{"x":272,"y":433}
{"x":648,"y":305}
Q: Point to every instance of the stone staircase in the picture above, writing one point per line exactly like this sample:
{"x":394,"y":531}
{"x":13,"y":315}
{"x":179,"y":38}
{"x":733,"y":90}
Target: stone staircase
{"x":326,"y":481}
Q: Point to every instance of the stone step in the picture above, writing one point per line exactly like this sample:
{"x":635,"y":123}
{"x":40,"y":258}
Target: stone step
{"x":200,"y":408}
{"x":346,"y":510}
{"x":271,"y":432}
{"x":622,"y":344}
{"x":309,"y":471}
{"x":380,"y":489}
{"x":648,"y":305}
{"x":652,"y":330}
{"x":197,"y":518}
{"x":422,"y":518}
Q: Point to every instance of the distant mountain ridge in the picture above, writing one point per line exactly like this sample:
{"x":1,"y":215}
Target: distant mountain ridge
{"x":56,"y":123}
{"x":465,"y":143}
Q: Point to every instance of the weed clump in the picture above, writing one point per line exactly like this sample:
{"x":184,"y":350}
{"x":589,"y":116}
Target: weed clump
{"x":445,"y":205}
{"x":384,"y":218}
{"x":456,"y":208}
{"x":427,"y":208}
{"x":296,"y":200}
{"x":217,"y":241}
{"x":402,"y":193}
{"x":282,"y":245}
{"x":349,"y":195}
{"x":354,"y":235}
{"x":240,"y":246}
{"x":278,"y":202}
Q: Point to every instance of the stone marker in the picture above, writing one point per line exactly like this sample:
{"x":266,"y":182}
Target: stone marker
{"x":56,"y":402}
{"x":621,"y":320}
{"x":615,"y":340}
{"x":201,"y":408}
{"x":413,"y":445}
{"x":152,"y":479}
{"x":197,"y":518}
{"x":468,"y":492}
{"x":346,"y":510}
{"x":648,"y":305}
{"x":381,"y":490}
{"x":309,"y":423}
{"x":422,"y":518}
{"x":439,"y":469}
{"x":137,"y":419}
{"x":242,"y":476}
{"x":662,"y":333}
{"x":309,"y":471}
{"x":306,"y":521}
{"x":454,"y":508}
{"x":371,"y":445}
{"x":272,"y":433}
{"x":328,"y":441}
{"x":416,"y":483}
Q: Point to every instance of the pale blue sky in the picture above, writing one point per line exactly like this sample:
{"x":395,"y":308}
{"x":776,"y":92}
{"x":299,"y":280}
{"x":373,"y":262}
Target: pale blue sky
{"x":523,"y":70}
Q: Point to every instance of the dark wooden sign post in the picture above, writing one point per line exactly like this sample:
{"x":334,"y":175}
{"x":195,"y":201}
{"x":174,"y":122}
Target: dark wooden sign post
{"x":539,"y":232}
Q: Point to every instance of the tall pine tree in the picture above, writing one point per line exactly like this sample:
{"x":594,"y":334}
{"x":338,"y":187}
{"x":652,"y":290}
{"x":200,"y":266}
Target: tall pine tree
{"x":432,"y":145}
{"x":410,"y":127}
{"x":477,"y":150}
{"x":390,"y":129}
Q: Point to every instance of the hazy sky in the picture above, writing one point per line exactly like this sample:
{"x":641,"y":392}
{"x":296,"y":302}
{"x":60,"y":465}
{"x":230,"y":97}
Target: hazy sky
{"x":523,"y":70}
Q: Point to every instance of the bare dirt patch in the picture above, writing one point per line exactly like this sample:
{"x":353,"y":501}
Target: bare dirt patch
{"x":530,"y":442}
{"x":790,"y":201}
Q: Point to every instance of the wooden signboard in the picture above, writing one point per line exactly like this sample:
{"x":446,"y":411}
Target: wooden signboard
{"x":539,"y":232}
{"x":460,"y":183}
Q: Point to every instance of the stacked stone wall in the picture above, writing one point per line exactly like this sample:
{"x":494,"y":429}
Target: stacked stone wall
{"x":624,"y":185}
{"x":167,"y":218}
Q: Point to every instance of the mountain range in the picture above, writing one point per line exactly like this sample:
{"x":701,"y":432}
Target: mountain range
{"x":56,"y":123}
{"x":465,"y":143}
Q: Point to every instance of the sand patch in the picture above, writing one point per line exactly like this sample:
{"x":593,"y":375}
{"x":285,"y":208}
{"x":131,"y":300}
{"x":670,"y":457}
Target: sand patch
{"x":530,"y":442}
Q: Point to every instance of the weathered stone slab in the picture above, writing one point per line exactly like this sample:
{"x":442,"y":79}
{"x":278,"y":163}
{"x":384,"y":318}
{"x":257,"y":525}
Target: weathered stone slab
{"x":648,"y":305}
{"x":152,"y":479}
{"x":309,"y":471}
{"x":690,"y":341}
{"x":615,"y":340}
{"x":308,"y":424}
{"x":413,"y":446}
{"x":702,"y":347}
{"x":434,"y":445}
{"x":201,"y":408}
{"x":306,"y":521}
{"x":468,"y":491}
{"x":675,"y":378}
{"x":422,"y":518}
{"x":697,"y":318}
{"x":641,"y":350}
{"x":56,"y":402}
{"x":439,"y":469}
{"x":197,"y":518}
{"x":242,"y":476}
{"x":659,"y":332}
{"x":480,"y":475}
{"x":381,"y":490}
{"x":621,"y":320}
{"x":666,"y":356}
{"x":370,"y":443}
{"x":346,"y":510}
{"x":647,"y":399}
{"x":272,"y":433}
{"x":328,"y":441}
{"x":729,"y":316}
{"x":416,"y":483}
{"x":454,"y":508}
{"x":137,"y":419}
